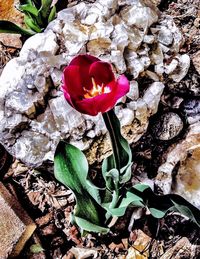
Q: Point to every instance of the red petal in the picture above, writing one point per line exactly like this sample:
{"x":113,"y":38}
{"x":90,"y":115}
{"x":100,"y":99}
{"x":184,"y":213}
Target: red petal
{"x":100,"y":103}
{"x":67,"y":97}
{"x":104,"y":102}
{"x":122,"y":87}
{"x":83,"y":59}
{"x":72,"y":81}
{"x":101,"y":72}
{"x":84,"y":62}
{"x":87,"y":106}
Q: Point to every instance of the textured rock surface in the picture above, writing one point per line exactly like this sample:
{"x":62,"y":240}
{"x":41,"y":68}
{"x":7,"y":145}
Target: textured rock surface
{"x":168,"y":126}
{"x":33,"y":113}
{"x":185,"y":155}
{"x":196,"y":61}
{"x":182,"y":249}
{"x":15,"y":228}
{"x":192,"y":110}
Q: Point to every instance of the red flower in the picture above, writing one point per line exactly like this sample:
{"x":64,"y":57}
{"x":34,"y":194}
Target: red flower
{"x":90,"y":87}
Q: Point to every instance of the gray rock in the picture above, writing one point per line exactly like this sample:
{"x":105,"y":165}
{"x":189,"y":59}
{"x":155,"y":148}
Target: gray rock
{"x":182,"y":68}
{"x":168,"y":126}
{"x":165,"y":36}
{"x":192,"y":110}
{"x":185,"y":157}
{"x":196,"y":61}
{"x":33,"y":113}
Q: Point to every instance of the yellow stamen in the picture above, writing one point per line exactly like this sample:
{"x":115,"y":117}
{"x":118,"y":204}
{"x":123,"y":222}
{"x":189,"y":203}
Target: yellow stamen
{"x":96,"y":90}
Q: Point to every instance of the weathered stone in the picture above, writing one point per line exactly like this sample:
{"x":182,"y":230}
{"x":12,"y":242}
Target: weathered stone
{"x":196,"y":61}
{"x":133,"y":94}
{"x":182,"y":249}
{"x":165,"y":36}
{"x":187,"y":180}
{"x":171,"y":67}
{"x":182,"y":68}
{"x":79,"y":252}
{"x":16,"y":227}
{"x":192,"y":110}
{"x":43,"y":43}
{"x":152,"y":94}
{"x":168,"y":126}
{"x":33,"y":113}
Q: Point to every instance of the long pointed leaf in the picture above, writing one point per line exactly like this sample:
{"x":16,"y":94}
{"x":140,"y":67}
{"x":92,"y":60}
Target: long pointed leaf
{"x":52,"y":14}
{"x":29,"y":8}
{"x":71,"y":169}
{"x":9,"y":27}
{"x":122,"y":155}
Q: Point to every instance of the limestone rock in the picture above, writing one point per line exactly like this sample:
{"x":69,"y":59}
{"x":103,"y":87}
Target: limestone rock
{"x":182,"y":249}
{"x":81,"y":253}
{"x":196,"y":61}
{"x":182,"y":68}
{"x":33,"y":113}
{"x":187,"y":180}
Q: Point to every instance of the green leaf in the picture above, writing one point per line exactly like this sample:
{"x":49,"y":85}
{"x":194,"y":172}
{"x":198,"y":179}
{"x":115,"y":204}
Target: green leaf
{"x":88,"y":226}
{"x":129,"y":200}
{"x":71,"y":169}
{"x":32,"y":24}
{"x":159,"y":205}
{"x":29,"y":8}
{"x":122,"y":155}
{"x":157,"y":213}
{"x":45,"y":8}
{"x":9,"y":27}
{"x":36,"y":249}
{"x":52,"y":14}
{"x":188,"y":210}
{"x":141,"y":187}
{"x":112,"y":179}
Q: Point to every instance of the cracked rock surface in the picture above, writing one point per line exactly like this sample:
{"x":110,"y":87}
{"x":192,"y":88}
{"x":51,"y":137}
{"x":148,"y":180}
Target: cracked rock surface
{"x":34,"y":115}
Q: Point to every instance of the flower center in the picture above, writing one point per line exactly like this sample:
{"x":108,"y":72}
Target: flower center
{"x":96,"y":90}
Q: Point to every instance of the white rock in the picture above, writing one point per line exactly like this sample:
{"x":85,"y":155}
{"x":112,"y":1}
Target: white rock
{"x":118,"y":61}
{"x":134,"y":90}
{"x":157,"y":56}
{"x":159,"y":69}
{"x":149,"y":39}
{"x":187,"y":180}
{"x":165,"y":36}
{"x":30,"y":83}
{"x":168,"y":69}
{"x":139,"y":15}
{"x":196,"y":61}
{"x":152,"y":96}
{"x":75,"y":39}
{"x":126,"y":116}
{"x":182,"y":68}
{"x":42,"y":43}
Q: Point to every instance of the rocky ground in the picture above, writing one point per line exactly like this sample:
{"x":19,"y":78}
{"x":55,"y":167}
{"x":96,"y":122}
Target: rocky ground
{"x":141,"y":236}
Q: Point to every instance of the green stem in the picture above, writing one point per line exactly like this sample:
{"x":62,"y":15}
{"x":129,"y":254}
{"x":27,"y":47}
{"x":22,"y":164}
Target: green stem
{"x":109,"y":122}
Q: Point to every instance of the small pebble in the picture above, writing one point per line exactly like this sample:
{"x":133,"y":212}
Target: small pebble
{"x":168,"y":126}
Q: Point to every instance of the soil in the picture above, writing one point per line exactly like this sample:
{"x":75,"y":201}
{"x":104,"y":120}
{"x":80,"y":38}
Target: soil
{"x":50,"y":204}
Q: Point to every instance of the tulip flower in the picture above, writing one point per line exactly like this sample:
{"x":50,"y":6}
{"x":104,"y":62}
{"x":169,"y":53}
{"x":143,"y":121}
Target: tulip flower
{"x":89,"y":85}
